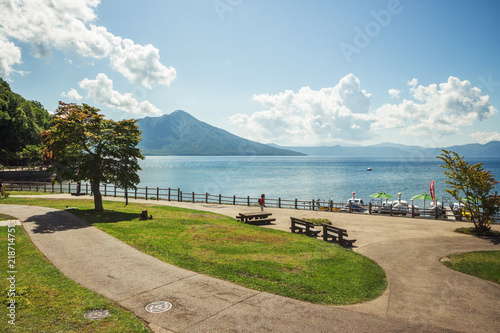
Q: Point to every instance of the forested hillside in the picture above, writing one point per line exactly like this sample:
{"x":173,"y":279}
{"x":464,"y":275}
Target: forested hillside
{"x":21,"y":124}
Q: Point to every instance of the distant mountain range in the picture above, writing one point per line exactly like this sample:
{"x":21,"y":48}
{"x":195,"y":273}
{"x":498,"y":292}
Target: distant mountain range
{"x":181,"y":134}
{"x":490,"y":149}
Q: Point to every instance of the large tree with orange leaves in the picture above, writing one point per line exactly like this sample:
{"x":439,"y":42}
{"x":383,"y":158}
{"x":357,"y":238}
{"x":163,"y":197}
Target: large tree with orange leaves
{"x":82,"y":145}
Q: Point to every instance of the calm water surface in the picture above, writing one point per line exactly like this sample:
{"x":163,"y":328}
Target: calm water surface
{"x":304,"y":177}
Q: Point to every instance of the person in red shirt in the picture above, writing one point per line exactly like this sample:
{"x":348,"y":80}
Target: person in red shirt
{"x":262,"y":202}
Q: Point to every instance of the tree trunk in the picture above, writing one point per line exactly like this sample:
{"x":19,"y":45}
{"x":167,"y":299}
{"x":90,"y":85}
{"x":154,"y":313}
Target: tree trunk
{"x":97,"y":196}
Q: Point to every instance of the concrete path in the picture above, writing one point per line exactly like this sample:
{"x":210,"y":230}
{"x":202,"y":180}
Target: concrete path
{"x":423,"y":295}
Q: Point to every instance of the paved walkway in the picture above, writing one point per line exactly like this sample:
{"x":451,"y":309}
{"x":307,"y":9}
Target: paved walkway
{"x":423,"y":295}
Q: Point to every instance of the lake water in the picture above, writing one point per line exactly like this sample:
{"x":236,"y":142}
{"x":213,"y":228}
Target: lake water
{"x":303,"y":178}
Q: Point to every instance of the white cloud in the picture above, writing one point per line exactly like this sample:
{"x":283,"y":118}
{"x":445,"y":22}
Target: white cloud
{"x":485,"y":137}
{"x":65,"y":26}
{"x":394,"y":93}
{"x":10,"y":55}
{"x":413,"y":82}
{"x":309,"y":116}
{"x":343,"y":112}
{"x":101,"y":90}
{"x":72,"y":94}
{"x":439,"y":109}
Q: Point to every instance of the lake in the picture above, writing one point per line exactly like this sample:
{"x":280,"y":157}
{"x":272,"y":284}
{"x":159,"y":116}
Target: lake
{"x":303,"y":177}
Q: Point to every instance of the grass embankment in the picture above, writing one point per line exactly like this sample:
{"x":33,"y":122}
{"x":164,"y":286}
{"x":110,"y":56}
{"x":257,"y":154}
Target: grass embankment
{"x":47,"y":301}
{"x":268,"y":260}
{"x":485,"y":265}
{"x":472,"y":231}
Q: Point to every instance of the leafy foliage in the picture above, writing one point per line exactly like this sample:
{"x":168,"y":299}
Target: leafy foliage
{"x":21,"y":124}
{"x":472,"y":186}
{"x":83,"y":145}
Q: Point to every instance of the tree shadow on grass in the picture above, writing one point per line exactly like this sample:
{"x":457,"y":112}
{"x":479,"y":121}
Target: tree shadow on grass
{"x":54,"y":221}
{"x":107,"y":216}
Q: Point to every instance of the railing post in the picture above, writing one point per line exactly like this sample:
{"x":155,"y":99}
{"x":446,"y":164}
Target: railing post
{"x":105,"y":190}
{"x":193,"y":197}
{"x":248,"y":201}
{"x":69,"y":188}
{"x":279,"y":202}
{"x":52,"y":187}
{"x":350,"y":206}
{"x":146,"y":193}
{"x":234,"y":200}
{"x":370,"y":208}
{"x":114,"y":193}
{"x":86,"y":188}
{"x":206,"y":197}
{"x":37,"y":185}
{"x":157,"y":193}
{"x":220,"y":199}
{"x":412,"y":211}
{"x":179,"y":195}
{"x":295,"y":203}
{"x":169,"y":194}
{"x":391,"y":210}
{"x":313,"y":204}
{"x":60,"y":188}
{"x":436,"y":212}
{"x":44,"y":187}
{"x":135,"y":193}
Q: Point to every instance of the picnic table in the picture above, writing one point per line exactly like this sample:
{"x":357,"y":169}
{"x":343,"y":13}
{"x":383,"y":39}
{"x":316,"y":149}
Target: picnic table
{"x":255,"y":218}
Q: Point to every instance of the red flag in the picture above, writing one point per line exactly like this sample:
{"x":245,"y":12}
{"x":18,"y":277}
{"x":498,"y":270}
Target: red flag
{"x":431,"y":188}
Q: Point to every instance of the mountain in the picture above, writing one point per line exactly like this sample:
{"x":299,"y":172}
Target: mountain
{"x":179,"y":133}
{"x":490,"y":149}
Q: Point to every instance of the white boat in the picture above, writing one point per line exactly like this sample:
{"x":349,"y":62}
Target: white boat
{"x":369,"y":169}
{"x":354,"y":204}
{"x":398,"y":207}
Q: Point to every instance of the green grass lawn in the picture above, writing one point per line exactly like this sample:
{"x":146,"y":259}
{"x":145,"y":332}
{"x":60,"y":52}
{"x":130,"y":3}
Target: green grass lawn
{"x":47,"y":301}
{"x":263,"y":259}
{"x":485,"y":265}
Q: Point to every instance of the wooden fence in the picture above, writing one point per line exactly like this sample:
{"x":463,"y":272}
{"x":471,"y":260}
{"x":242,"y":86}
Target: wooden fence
{"x":175,"y":194}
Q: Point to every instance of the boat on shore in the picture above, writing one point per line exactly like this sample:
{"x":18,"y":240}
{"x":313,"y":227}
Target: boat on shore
{"x":354,"y":204}
{"x":397,"y":207}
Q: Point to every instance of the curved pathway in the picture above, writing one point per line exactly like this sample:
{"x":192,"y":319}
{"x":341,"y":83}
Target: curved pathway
{"x":423,"y":295}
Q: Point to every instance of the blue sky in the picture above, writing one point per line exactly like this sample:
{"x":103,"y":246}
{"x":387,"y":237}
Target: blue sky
{"x":286,"y":72}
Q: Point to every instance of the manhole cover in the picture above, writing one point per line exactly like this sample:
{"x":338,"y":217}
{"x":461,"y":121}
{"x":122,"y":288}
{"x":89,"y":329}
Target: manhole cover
{"x":158,"y":307}
{"x":97,"y":314}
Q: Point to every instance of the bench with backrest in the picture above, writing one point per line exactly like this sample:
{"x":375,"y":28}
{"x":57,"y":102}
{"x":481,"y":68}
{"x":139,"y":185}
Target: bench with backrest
{"x":303,"y":227}
{"x":333,"y":234}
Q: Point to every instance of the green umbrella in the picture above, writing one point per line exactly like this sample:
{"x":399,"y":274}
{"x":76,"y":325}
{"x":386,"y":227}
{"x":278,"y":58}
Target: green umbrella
{"x":423,"y":196}
{"x":381,"y":195}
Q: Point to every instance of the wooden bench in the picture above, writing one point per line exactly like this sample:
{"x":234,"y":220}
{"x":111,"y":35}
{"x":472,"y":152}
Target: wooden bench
{"x":255,"y":218}
{"x":303,"y":227}
{"x":333,"y":234}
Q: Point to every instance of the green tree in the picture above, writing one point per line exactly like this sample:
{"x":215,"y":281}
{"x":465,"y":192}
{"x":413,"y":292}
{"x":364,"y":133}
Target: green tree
{"x":82,"y":145}
{"x":32,"y":155}
{"x":473,"y":186}
{"x":21,"y":124}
